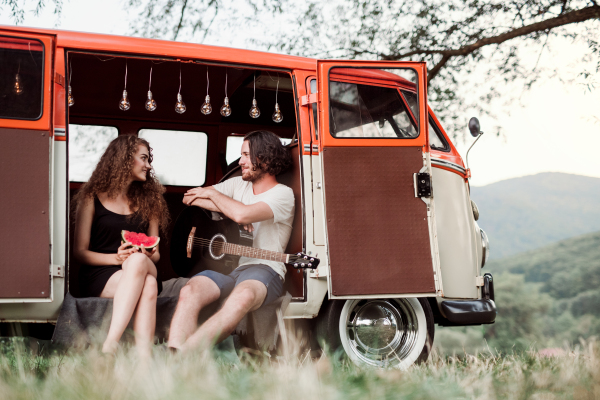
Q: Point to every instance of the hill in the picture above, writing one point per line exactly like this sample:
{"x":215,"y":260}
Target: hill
{"x":525,"y":213}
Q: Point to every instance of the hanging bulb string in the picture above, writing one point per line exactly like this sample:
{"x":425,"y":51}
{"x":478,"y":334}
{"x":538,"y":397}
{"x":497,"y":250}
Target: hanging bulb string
{"x":150,"y":84}
{"x":207,"y":81}
{"x":254,"y":95}
{"x":276,"y":91}
{"x":225,"y":82}
{"x":70,"y":72}
{"x":125,"y":75}
{"x":179,"y":91}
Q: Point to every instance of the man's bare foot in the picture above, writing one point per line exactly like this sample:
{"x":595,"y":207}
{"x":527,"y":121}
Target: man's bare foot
{"x":110,"y":347}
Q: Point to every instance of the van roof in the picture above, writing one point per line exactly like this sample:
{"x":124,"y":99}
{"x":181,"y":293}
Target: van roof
{"x":165,"y":48}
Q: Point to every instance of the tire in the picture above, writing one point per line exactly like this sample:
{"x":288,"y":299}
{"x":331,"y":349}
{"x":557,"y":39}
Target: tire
{"x":378,"y":333}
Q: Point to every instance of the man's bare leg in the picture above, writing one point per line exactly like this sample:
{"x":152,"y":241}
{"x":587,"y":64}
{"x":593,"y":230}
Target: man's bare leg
{"x":199,"y":292}
{"x":247,"y":296}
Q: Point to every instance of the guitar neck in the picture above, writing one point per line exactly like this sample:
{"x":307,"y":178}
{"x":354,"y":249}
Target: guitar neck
{"x":253,"y":252}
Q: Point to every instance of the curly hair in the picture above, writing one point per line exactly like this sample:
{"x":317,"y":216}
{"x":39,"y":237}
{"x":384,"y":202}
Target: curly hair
{"x":267,"y":153}
{"x":112,"y":174}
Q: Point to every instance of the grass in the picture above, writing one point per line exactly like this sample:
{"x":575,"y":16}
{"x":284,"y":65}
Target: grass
{"x":27,"y":374}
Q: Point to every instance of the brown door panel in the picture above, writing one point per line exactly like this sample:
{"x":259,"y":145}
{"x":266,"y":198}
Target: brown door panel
{"x":24,"y":214}
{"x":377,"y":229}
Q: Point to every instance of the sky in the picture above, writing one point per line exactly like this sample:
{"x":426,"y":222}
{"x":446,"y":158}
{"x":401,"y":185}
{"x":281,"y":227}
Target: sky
{"x":554,"y":127}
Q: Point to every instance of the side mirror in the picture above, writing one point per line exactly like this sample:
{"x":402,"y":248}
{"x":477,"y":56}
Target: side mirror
{"x":474,"y":127}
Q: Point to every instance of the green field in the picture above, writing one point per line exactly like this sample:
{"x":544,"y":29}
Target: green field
{"x":88,"y":375}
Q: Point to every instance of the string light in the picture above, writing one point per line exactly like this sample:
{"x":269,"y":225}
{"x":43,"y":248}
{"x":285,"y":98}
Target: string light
{"x":277,"y":115}
{"x":124,"y":104}
{"x":180,"y":105}
{"x":150,"y":103}
{"x":226,"y":109}
{"x":18,"y":87}
{"x":206,"y":107}
{"x":70,"y":98}
{"x":254,"y":110}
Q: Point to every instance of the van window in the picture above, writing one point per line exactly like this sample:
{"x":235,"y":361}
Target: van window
{"x":21,"y":80}
{"x":437,"y":141}
{"x":365,"y":111}
{"x":234,"y":147}
{"x":86,"y":145}
{"x":179,"y":156}
{"x":313,"y":89}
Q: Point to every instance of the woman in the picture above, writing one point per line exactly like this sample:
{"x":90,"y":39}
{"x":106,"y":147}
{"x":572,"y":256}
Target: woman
{"x":122,"y":194}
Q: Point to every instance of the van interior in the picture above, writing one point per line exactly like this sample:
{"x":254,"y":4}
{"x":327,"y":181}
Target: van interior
{"x":190,"y":149}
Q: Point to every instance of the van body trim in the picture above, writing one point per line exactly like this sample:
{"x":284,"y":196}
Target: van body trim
{"x":438,"y":162}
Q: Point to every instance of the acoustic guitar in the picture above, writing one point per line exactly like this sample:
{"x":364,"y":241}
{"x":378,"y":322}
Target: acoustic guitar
{"x":199,"y":243}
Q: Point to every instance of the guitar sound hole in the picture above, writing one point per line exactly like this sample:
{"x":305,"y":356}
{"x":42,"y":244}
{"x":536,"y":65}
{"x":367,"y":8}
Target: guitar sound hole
{"x":217,"y":246}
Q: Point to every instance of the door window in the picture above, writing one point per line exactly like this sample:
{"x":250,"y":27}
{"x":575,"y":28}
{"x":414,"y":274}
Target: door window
{"x":179,"y":156}
{"x":373,"y":108}
{"x":21,"y":80}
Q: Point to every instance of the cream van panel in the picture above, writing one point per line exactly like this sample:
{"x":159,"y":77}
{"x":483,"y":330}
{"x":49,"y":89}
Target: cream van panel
{"x":456,"y":237}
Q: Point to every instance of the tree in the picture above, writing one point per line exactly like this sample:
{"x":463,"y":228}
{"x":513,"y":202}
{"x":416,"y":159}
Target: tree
{"x":475,"y":49}
{"x":18,"y":8}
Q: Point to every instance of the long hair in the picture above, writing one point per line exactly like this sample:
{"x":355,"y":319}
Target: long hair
{"x":267,"y":153}
{"x":112,"y":173}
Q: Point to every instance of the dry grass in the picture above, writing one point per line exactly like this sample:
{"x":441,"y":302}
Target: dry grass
{"x":220,"y":375}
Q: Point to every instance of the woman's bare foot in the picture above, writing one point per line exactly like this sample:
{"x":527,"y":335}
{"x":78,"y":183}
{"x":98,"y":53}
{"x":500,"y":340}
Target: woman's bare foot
{"x":110,"y":347}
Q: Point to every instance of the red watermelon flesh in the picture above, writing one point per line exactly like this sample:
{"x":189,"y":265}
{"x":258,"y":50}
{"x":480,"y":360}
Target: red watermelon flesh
{"x":140,"y":239}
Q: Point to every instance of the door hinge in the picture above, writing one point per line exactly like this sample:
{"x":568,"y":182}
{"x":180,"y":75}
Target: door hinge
{"x":308,"y":99}
{"x":422,"y":181}
{"x":59,"y":79}
{"x":58,"y":270}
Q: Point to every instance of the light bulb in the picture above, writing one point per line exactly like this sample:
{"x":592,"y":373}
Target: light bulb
{"x":70,"y":97}
{"x":226,"y":109}
{"x":150,"y":103}
{"x":254,"y":110}
{"x":18,"y":88}
{"x":124,"y":103}
{"x":277,"y":115}
{"x":206,"y":107}
{"x":180,"y":105}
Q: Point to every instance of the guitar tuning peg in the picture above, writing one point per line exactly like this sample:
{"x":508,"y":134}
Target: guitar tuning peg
{"x":302,"y":265}
{"x":306,"y":257}
{"x":312,"y":259}
{"x":309,"y":265}
{"x":299,"y":254}
{"x":295,"y":265}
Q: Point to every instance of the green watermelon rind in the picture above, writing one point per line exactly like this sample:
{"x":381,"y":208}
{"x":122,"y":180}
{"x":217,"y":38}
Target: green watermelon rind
{"x":124,"y":232}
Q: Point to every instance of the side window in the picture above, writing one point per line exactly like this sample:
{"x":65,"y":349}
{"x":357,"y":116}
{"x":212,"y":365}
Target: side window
{"x":437,"y":141}
{"x":234,"y":147}
{"x":365,"y":111}
{"x":179,"y":156}
{"x":86,"y":145}
{"x":413,"y":102}
{"x":21,"y":80}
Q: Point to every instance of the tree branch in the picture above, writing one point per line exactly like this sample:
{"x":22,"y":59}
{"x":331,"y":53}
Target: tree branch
{"x":180,"y":20}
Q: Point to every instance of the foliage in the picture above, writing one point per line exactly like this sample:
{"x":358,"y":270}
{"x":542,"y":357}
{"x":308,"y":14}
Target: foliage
{"x":18,"y":8}
{"x":87,"y":375}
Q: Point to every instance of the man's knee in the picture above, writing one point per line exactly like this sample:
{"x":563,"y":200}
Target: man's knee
{"x":199,"y":289}
{"x":245,"y":298}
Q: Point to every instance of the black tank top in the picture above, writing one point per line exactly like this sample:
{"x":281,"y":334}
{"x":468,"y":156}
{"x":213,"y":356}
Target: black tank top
{"x":107,"y":226}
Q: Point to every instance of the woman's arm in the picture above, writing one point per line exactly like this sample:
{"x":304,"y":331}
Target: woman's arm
{"x":81,"y":243}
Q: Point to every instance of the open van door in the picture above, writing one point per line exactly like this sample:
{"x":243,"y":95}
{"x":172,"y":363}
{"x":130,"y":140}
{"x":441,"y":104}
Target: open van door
{"x":25,"y":165}
{"x":377,"y":179}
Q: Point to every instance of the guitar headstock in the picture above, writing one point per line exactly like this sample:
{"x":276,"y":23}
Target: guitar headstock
{"x":301,"y":260}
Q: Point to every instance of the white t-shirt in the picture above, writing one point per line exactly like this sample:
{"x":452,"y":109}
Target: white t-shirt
{"x":272,"y":234}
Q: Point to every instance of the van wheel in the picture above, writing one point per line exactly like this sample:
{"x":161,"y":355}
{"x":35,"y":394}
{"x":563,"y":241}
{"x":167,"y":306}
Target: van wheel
{"x":379,"y":332}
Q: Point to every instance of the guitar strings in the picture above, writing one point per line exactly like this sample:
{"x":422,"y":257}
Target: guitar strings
{"x":200,"y":242}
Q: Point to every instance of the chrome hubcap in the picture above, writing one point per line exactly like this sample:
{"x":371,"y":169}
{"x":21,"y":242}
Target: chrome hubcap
{"x":382,"y":332}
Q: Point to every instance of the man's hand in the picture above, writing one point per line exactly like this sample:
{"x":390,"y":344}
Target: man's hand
{"x":248,"y":227}
{"x":197,"y":193}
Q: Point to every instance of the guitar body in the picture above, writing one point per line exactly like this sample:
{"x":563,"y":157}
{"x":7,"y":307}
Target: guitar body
{"x":187,"y":263}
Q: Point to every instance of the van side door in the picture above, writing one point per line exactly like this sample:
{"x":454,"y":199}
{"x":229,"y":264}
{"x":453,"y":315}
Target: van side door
{"x":376,"y":179}
{"x":25,"y":165}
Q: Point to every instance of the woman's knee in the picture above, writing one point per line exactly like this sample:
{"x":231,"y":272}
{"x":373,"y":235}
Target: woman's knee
{"x":150,"y":290}
{"x":139,"y":264}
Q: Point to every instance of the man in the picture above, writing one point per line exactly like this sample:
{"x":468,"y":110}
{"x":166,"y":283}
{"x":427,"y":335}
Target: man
{"x":263,"y":206}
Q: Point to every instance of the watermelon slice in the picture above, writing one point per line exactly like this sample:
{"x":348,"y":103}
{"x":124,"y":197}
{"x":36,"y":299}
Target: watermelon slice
{"x":140,"y":239}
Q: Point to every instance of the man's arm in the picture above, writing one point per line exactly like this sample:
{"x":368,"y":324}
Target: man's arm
{"x":241,"y":213}
{"x":203,"y":203}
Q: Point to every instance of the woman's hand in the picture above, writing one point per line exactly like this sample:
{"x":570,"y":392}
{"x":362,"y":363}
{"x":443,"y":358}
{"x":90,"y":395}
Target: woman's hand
{"x":148,"y":253}
{"x":123,"y":252}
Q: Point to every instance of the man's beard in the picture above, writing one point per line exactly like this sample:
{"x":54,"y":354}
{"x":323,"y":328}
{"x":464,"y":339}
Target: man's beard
{"x":252,"y":174}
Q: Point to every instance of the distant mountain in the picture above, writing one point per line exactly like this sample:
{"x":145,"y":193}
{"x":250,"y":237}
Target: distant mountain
{"x":526,"y":213}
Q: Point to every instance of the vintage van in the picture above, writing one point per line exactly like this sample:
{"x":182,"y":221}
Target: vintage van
{"x":382,"y":195}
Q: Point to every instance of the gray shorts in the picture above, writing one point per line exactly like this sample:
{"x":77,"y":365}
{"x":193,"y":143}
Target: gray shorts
{"x":257,"y":272}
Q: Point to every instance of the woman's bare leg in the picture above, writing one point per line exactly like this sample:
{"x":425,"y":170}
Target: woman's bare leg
{"x":125,"y":291}
{"x":144,"y":320}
